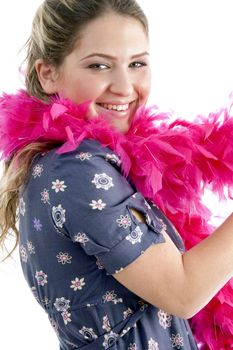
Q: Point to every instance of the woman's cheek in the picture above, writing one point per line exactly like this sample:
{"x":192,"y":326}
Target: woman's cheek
{"x":145,"y":86}
{"x":92,"y":113}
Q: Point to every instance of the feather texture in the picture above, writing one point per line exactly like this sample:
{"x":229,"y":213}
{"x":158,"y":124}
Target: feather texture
{"x":171,"y":163}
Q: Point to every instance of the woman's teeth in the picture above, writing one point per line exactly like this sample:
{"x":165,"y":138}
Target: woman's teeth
{"x":115,"y":107}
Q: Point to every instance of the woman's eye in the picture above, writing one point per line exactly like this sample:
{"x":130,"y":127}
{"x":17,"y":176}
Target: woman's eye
{"x":98,"y":66}
{"x":138,"y":64}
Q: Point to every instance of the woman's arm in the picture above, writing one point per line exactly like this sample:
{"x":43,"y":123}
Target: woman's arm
{"x":179,"y":283}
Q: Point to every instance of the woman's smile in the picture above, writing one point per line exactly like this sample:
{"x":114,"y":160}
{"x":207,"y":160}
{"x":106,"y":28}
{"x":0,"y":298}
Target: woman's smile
{"x":112,"y":73}
{"x":117,"y":113}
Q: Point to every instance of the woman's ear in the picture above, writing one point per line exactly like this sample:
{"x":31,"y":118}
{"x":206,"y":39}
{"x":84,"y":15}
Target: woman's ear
{"x":47,"y":75}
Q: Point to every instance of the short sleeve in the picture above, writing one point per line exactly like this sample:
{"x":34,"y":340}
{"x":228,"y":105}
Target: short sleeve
{"x":91,"y":204}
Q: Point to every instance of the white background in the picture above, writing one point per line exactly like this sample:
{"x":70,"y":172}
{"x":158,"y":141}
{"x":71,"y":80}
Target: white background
{"x":192,"y":57}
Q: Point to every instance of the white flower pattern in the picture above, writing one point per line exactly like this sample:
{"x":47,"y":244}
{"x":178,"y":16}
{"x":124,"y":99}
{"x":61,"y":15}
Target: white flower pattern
{"x":37,"y":170}
{"x":64,"y":258}
{"x":22,"y":206}
{"x":81,"y":238}
{"x":45,"y":196}
{"x":62,"y":304}
{"x":127,"y":313}
{"x":111,"y":297}
{"x":113,"y":159}
{"x":99,"y":204}
{"x":23,"y":253}
{"x":102,"y":181}
{"x":102,"y":191}
{"x":164,"y":319}
{"x":177,"y":341}
{"x":30,"y":247}
{"x":66,"y":316}
{"x":124,"y":221}
{"x":88,"y":333}
{"x":77,"y":284}
{"x":135,"y":235}
{"x":153,"y":345}
{"x":58,"y":214}
{"x":41,"y":278}
{"x":58,"y":186}
{"x":109,"y":339}
{"x":83,"y":156}
{"x":106,"y":324}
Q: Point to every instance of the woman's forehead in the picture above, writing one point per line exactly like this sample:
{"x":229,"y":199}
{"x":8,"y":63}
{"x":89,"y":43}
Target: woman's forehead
{"x":111,"y":34}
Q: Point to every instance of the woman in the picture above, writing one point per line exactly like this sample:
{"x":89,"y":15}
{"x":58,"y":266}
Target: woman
{"x":106,"y":265}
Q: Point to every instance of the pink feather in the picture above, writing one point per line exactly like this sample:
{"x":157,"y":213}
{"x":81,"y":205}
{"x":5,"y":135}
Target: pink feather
{"x":171,"y":163}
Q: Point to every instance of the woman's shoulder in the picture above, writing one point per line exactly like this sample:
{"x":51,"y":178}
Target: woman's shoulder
{"x":88,"y":153}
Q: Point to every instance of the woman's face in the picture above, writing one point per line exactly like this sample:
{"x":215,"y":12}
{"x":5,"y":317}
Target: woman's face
{"x":110,"y":66}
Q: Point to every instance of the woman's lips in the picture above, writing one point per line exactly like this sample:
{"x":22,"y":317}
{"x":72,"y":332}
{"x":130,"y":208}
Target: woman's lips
{"x":114,"y":113}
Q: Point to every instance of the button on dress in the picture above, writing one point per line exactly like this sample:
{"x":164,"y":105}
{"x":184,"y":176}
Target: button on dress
{"x":77,"y":230}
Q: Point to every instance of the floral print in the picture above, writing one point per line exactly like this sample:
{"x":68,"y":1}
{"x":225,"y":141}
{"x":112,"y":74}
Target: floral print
{"x":106,"y":324}
{"x":37,"y":224}
{"x":127,"y":313}
{"x":64,"y":258}
{"x":83,"y":156}
{"x":164,"y":319}
{"x":124,"y":221}
{"x":76,"y":231}
{"x":153,"y":345}
{"x":113,"y":159}
{"x":177,"y":341}
{"x":99,"y":204}
{"x":22,"y":208}
{"x":58,"y":186}
{"x":62,"y":304}
{"x":30,"y":247}
{"x":109,"y":339}
{"x":37,"y":170}
{"x":81,"y":238}
{"x":88,"y":333}
{"x":135,"y":235}
{"x":111,"y":297}
{"x":58,"y":214}
{"x":23,"y":253}
{"x":45,"y":196}
{"x":66,"y":316}
{"x":103,"y":181}
{"x":41,"y":278}
{"x":77,"y":284}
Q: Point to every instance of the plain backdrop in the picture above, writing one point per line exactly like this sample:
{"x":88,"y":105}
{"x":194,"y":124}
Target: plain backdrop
{"x":191,"y":59}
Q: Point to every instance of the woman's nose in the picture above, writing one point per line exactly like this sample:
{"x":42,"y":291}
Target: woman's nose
{"x":122,"y":84}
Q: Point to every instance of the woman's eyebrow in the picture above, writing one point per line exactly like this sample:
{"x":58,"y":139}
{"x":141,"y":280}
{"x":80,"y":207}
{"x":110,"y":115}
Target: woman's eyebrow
{"x":112,"y":57}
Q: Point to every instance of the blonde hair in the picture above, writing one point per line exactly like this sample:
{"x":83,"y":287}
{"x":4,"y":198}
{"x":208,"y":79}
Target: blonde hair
{"x":56,"y":27}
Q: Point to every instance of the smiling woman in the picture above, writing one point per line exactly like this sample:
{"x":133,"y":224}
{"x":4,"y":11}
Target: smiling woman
{"x":89,"y":177}
{"x":114,"y":74}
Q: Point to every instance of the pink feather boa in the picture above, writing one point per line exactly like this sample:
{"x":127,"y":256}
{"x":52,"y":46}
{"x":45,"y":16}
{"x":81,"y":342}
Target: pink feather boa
{"x":170,"y":163}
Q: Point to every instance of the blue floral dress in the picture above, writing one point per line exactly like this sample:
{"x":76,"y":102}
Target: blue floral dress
{"x":76,"y":230}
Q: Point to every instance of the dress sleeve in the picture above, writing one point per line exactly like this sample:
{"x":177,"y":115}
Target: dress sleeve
{"x":91,"y":204}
